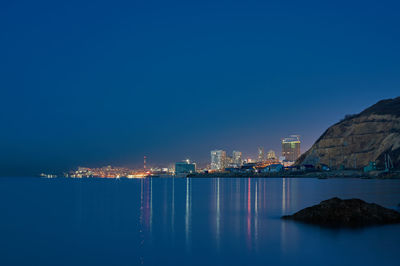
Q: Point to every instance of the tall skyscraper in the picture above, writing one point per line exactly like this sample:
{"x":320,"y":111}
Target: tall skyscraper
{"x":261,"y":155}
{"x":291,"y":148}
{"x":237,"y":158}
{"x":218,"y":160}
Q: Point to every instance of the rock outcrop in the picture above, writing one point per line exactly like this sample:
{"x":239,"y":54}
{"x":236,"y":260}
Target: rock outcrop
{"x":336,"y":212}
{"x":359,"y":139}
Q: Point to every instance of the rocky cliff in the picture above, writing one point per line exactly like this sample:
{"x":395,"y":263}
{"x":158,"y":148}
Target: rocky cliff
{"x":359,"y":139}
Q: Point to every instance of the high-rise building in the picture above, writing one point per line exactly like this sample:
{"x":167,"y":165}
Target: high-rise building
{"x":291,"y":148}
{"x":271,"y":155}
{"x":261,"y":155}
{"x":228,"y":161}
{"x":218,"y":160}
{"x":185,"y":167}
{"x":237,"y":158}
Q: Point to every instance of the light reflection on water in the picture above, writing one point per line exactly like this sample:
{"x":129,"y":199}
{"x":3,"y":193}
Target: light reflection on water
{"x":168,"y":221}
{"x":188,"y":212}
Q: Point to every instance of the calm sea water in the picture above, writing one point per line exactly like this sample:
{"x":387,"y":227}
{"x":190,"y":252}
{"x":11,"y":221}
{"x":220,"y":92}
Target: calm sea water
{"x":168,"y":221}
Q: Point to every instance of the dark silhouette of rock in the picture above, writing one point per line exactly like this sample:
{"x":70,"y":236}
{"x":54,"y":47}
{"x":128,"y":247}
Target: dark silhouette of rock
{"x":336,"y":212}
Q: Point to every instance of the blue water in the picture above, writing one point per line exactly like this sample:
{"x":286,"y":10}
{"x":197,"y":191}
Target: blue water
{"x":167,"y":221}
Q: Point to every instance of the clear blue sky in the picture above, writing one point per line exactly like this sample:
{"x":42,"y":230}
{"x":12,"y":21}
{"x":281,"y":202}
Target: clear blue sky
{"x":94,"y":82}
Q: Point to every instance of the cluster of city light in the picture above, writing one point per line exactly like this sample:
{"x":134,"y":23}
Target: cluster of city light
{"x":107,"y":172}
{"x":116,"y":172}
{"x":221,"y":162}
{"x":139,"y":175}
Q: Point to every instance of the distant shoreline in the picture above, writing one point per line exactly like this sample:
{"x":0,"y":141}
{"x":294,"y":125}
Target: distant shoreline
{"x":320,"y":175}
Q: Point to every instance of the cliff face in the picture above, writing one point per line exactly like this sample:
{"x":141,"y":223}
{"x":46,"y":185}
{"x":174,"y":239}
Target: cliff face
{"x":359,"y":139}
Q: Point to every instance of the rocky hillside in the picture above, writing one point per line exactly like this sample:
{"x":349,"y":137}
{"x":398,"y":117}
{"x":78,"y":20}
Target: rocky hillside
{"x":359,"y":139}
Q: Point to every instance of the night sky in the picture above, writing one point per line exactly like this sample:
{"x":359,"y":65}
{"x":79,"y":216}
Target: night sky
{"x":92,"y":83}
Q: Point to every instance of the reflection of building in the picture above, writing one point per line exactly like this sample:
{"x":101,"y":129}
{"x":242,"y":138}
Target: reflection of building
{"x":185,"y":167}
{"x":261,"y":156}
{"x":291,"y":148}
{"x":271,"y":155}
{"x":237,"y":158}
{"x":218,"y":160}
{"x":188,"y":212}
{"x":146,"y":205}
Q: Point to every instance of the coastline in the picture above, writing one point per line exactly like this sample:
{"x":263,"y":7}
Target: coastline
{"x":319,"y":175}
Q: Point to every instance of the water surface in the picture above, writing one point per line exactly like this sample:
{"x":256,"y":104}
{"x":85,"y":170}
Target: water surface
{"x":164,"y":221}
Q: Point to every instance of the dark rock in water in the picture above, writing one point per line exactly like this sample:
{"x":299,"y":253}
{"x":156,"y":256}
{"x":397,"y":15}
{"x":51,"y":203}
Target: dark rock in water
{"x":346,"y":213}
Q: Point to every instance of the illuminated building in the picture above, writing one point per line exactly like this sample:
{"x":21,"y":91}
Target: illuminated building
{"x":237,"y":158}
{"x":273,"y":168}
{"x":261,"y":156}
{"x":291,"y":148}
{"x":228,"y":161}
{"x":271,"y":155}
{"x":218,"y":160}
{"x":185,"y":167}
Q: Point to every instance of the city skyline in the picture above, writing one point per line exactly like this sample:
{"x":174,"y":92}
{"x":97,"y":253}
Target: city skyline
{"x":220,"y":161}
{"x":236,"y":160}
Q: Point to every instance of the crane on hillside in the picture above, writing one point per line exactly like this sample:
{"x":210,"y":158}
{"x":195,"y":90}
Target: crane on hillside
{"x":388,"y":163}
